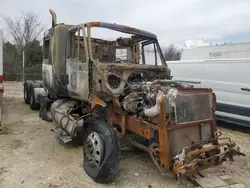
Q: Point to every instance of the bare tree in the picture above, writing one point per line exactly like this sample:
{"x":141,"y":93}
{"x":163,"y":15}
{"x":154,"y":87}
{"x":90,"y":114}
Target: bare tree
{"x":24,"y":30}
{"x":172,"y":53}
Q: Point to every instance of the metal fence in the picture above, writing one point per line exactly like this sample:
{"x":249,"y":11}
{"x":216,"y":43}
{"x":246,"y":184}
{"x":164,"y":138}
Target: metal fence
{"x":16,"y":72}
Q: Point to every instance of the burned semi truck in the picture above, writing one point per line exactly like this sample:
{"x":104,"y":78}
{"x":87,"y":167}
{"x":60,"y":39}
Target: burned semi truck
{"x":100,"y":91}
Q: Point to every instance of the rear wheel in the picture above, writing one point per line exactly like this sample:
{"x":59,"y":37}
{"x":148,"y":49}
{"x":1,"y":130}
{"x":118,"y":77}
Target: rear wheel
{"x":101,"y":152}
{"x":33,"y":104}
{"x":25,"y":94}
{"x":27,"y":87}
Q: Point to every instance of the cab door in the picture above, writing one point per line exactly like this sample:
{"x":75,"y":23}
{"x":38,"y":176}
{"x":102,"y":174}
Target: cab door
{"x":77,"y":64}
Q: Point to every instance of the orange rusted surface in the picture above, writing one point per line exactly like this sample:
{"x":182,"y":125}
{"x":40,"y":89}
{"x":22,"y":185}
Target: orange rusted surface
{"x":163,"y":136}
{"x":124,"y":124}
{"x":192,"y":154}
{"x":94,"y":24}
{"x":194,"y":164}
{"x":139,"y":127}
{"x":161,"y":153}
{"x":196,"y":89}
{"x":189,"y":124}
{"x":128,"y":29}
{"x":130,"y":123}
{"x":114,"y":118}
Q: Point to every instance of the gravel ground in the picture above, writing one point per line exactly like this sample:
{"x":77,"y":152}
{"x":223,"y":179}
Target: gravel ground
{"x":32,"y":156}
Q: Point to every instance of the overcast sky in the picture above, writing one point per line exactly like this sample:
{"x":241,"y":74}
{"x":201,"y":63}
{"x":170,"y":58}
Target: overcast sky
{"x":173,"y":21}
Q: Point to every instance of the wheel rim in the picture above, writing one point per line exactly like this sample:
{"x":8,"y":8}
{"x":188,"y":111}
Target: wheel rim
{"x":94,"y":149}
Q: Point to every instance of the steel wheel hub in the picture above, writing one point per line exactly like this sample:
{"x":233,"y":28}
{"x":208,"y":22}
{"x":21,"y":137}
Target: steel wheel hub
{"x":94,"y":149}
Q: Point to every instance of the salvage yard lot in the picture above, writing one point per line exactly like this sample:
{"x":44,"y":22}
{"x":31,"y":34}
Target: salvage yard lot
{"x":32,"y":156}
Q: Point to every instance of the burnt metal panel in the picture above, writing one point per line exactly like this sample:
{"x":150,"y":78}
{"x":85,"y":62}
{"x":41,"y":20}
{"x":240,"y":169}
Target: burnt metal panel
{"x":206,"y":131}
{"x":180,"y":138}
{"x":78,"y":86}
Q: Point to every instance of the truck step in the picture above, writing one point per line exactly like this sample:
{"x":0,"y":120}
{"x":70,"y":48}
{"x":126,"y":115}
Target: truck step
{"x":64,"y":136}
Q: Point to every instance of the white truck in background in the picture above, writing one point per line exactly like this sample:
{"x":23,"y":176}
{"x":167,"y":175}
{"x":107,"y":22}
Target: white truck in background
{"x":229,"y":77}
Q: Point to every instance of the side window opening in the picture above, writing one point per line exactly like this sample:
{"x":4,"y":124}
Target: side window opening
{"x":77,"y":48}
{"x":122,"y":54}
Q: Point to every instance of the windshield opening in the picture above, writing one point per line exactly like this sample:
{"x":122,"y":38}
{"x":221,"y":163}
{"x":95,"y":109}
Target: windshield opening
{"x":110,"y":46}
{"x":151,"y":54}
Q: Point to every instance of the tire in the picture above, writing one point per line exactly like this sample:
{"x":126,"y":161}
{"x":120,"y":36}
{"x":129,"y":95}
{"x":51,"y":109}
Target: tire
{"x":27,"y":89}
{"x":107,"y":170}
{"x":26,"y":93}
{"x":33,"y":104}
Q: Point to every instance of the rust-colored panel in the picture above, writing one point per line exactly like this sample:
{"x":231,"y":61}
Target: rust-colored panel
{"x":139,"y":127}
{"x":114,"y":118}
{"x":128,"y":29}
{"x":155,"y":119}
{"x":195,"y":89}
{"x":124,"y":124}
{"x":181,"y":138}
{"x":163,"y":136}
{"x":130,"y":123}
{"x":94,"y":24}
{"x":188,"y":124}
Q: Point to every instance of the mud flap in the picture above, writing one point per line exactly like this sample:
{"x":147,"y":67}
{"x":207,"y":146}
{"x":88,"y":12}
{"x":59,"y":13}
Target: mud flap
{"x":44,"y":103}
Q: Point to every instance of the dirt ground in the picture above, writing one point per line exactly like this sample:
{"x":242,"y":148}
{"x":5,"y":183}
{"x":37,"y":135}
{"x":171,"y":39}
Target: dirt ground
{"x":32,"y":156}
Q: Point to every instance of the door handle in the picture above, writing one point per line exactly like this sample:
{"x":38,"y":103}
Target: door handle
{"x":245,"y":89}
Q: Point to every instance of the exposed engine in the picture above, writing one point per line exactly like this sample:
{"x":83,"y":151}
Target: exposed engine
{"x":144,"y":98}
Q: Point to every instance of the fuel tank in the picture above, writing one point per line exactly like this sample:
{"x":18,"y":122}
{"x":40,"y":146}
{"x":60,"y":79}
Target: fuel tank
{"x":61,"y":113}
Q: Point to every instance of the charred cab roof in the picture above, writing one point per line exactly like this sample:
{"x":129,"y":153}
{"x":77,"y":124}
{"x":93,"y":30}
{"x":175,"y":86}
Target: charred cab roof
{"x":117,"y":27}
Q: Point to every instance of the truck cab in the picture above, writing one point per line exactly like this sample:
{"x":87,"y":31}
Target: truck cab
{"x":118,"y":86}
{"x":76,"y":63}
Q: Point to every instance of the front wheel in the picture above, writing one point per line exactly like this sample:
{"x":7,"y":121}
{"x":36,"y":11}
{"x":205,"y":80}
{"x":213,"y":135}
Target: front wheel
{"x":101,"y":152}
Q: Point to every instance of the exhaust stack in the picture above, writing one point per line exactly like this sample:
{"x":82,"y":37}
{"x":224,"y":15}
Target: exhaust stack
{"x":53,"y":14}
